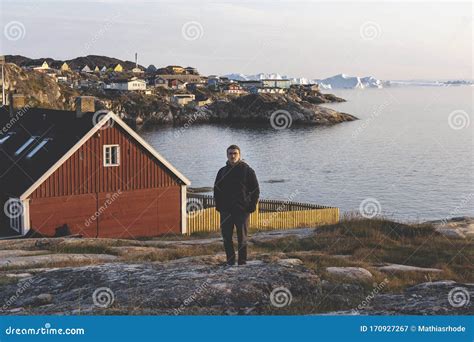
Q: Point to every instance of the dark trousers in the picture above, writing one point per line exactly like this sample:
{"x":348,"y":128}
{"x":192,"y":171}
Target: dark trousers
{"x":240,"y":220}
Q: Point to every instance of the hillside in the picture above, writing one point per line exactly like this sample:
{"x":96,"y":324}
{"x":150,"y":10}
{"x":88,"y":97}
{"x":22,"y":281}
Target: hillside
{"x":75,"y":63}
{"x":298,"y":106}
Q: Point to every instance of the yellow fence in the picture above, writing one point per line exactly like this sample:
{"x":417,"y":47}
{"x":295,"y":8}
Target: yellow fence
{"x":208,"y":220}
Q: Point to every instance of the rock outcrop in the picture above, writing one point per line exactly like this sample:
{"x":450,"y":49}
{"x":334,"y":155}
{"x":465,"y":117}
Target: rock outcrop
{"x":299,"y":106}
{"x":197,"y":285}
{"x":289,"y":272}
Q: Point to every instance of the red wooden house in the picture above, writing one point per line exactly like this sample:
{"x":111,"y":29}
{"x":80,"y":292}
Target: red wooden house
{"x":84,"y":172}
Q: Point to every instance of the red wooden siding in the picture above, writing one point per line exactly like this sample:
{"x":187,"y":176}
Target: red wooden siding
{"x":47,"y":214}
{"x":84,"y":173}
{"x":131,"y":214}
{"x":148,"y":212}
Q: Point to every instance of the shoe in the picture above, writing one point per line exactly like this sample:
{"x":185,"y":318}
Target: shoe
{"x":241,"y":263}
{"x":226,"y":264}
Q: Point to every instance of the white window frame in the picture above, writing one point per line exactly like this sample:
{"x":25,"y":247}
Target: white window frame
{"x":108,"y":160}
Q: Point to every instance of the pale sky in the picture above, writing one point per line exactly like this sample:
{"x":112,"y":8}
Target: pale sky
{"x":313,"y":39}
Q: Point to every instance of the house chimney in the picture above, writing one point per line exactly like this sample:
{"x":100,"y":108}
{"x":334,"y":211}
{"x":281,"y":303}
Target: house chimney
{"x":84,"y":104}
{"x":17,"y":101}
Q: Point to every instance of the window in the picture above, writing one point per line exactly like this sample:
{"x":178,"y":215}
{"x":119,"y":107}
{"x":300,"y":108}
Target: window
{"x":111,"y":155}
{"x":25,"y":145}
{"x":37,"y":148}
{"x":5,"y":137}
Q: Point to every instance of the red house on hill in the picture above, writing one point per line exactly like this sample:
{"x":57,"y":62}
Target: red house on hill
{"x":84,"y":172}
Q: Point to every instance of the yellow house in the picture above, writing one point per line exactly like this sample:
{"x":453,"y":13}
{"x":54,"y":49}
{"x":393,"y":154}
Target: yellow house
{"x":96,"y":69}
{"x":118,"y":68}
{"x":44,"y":66}
{"x":64,"y":67}
{"x":176,"y":69}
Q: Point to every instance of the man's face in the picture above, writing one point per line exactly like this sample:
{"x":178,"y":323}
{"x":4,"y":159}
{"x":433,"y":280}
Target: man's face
{"x":233,"y":156}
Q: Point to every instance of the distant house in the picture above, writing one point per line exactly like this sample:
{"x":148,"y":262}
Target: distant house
{"x":270,"y":90}
{"x":65,"y":67}
{"x":182,"y":77}
{"x":233,"y":88}
{"x":96,"y":69}
{"x":116,"y":67}
{"x":158,"y":82}
{"x":59,"y":65}
{"x":194,"y":86}
{"x":175,"y":69}
{"x":176,"y":84}
{"x":71,"y":172}
{"x":224,"y":80}
{"x":213,"y":82}
{"x":103,"y":69}
{"x":182,"y":99}
{"x":137,"y":71}
{"x":202,"y":100}
{"x":151,"y":68}
{"x":191,"y":71}
{"x":86,"y":68}
{"x":133,"y":84}
{"x":248,"y":85}
{"x":44,"y":66}
{"x":271,"y":83}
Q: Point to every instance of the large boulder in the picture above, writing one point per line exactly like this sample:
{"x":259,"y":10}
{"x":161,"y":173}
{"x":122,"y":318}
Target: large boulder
{"x":350,"y":273}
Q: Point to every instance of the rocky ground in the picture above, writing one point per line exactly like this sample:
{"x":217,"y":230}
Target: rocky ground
{"x":298,"y":271}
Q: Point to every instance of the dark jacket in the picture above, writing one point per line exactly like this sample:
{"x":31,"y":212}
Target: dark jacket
{"x":236,"y":187}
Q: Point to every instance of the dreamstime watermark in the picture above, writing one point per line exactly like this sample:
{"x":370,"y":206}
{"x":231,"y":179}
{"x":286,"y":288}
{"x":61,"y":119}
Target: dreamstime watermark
{"x":99,"y":115}
{"x":192,"y":119}
{"x":103,"y":297}
{"x":101,"y":32}
{"x":459,"y":297}
{"x":22,"y":287}
{"x":194,"y":206}
{"x":370,"y":30}
{"x":192,"y":30}
{"x":46,"y":330}
{"x":366,"y":123}
{"x":14,"y":30}
{"x":281,"y":119}
{"x":370,"y":207}
{"x":281,"y":297}
{"x":458,"y":208}
{"x":13,"y":208}
{"x":376,"y":290}
{"x":14,"y":119}
{"x":109,"y":200}
{"x":280,"y":208}
{"x":192,"y":298}
{"x":458,"y":119}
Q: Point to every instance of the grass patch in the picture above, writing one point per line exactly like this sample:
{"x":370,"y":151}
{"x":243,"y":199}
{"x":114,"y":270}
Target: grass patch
{"x":167,"y":254}
{"x":82,"y":249}
{"x":4,"y":280}
{"x":379,"y":241}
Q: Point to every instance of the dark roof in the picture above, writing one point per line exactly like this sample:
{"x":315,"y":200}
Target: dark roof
{"x":62,"y":129}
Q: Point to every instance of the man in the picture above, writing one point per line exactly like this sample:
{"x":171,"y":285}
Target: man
{"x":236,"y":194}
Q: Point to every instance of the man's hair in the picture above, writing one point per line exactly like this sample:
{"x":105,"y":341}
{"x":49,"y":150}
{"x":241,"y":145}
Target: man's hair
{"x":233,"y":147}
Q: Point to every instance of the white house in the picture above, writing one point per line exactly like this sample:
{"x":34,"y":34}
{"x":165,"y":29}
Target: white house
{"x":134,"y":84}
{"x":276,"y":83}
{"x":182,"y":99}
{"x":86,"y":69}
